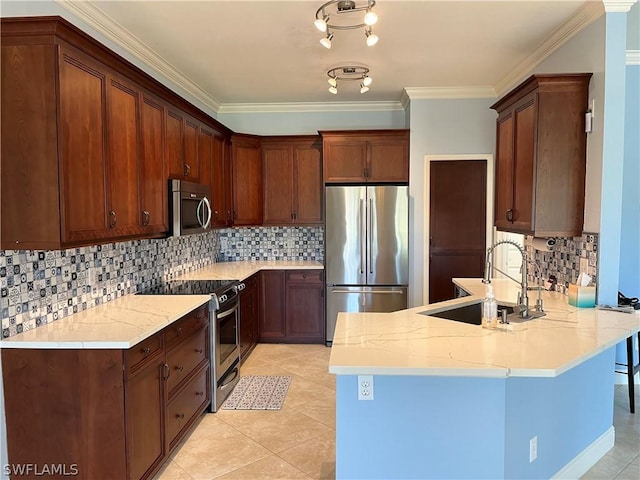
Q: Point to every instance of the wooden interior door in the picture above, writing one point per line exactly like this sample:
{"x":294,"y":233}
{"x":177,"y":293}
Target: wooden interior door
{"x":457,"y":224}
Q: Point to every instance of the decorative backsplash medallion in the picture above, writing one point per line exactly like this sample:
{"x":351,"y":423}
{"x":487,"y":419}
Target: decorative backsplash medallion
{"x":38,"y":287}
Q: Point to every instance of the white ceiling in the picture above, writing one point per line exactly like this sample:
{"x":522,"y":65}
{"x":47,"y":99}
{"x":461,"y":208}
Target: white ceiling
{"x":264,"y":52}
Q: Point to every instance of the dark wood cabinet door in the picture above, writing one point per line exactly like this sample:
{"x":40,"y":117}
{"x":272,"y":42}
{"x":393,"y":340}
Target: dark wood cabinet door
{"x":145,"y":406}
{"x":388,"y":159}
{"x":249,"y":316}
{"x":205,"y":161}
{"x":174,"y":145}
{"x":523,"y":167}
{"x":345,"y":160}
{"x":125,"y":216}
{"x":272,"y":324}
{"x":82,"y":113}
{"x":305,"y":307}
{"x":191,"y":159}
{"x":246,"y":161}
{"x":307,"y":184}
{"x":278,"y":184}
{"x":504,"y":173}
{"x":153,"y":179}
{"x":220,"y":182}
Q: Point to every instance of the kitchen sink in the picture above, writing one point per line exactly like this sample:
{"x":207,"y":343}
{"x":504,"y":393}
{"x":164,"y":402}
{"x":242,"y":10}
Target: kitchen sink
{"x":471,"y":314}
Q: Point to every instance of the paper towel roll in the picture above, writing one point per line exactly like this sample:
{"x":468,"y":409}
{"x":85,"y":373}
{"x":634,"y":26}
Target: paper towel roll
{"x":543,"y":244}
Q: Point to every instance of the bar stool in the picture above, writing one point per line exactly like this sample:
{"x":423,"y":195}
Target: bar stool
{"x":631,"y":370}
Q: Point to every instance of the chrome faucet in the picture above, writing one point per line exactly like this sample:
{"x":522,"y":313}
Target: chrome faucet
{"x":522,"y":309}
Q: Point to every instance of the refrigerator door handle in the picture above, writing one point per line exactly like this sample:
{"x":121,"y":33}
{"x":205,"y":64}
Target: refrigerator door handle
{"x":370,"y":233}
{"x":363,"y":233}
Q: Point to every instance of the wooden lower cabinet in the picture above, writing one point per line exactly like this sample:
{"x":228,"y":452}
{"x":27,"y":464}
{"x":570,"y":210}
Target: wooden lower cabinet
{"x":249,"y":315}
{"x":107,"y":413}
{"x":293,"y":306}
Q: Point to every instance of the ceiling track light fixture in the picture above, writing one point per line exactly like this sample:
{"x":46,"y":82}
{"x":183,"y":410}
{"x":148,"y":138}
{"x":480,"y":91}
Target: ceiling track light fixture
{"x":349,"y":72}
{"x":339,"y":15}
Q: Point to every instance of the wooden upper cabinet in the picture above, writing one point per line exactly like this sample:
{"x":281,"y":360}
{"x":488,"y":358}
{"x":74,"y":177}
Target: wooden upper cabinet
{"x":377,"y":156}
{"x":182,"y":146}
{"x":214,"y":171}
{"x":292,"y":180}
{"x":246,"y":161}
{"x":153,"y":176}
{"x":541,"y":156}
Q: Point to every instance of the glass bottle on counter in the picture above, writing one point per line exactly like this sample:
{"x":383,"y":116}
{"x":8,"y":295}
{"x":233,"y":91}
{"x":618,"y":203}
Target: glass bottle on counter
{"x":490,"y":310}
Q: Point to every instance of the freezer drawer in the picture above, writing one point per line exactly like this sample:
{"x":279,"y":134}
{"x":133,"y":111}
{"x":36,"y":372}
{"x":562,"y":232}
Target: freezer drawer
{"x":362,"y":299}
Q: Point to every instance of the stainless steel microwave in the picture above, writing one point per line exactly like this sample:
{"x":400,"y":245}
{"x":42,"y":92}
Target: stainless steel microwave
{"x":190,"y":207}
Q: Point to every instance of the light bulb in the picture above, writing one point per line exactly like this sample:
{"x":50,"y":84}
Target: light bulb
{"x":363,"y":88}
{"x":326,"y":41}
{"x":333,"y":89}
{"x":366,"y":81}
{"x":321,"y":23}
{"x":370,"y":18}
{"x":333,"y":82}
{"x":372,"y":38}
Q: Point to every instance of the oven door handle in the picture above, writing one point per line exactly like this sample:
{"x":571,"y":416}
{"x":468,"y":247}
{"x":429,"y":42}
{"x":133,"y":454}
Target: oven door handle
{"x":226,"y":313}
{"x":227,"y":381}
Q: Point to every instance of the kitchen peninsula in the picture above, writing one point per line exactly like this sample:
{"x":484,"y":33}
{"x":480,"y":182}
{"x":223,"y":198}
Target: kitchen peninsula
{"x":453,"y":400}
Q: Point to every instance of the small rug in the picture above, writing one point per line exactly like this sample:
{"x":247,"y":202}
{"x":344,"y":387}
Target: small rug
{"x":258,"y":392}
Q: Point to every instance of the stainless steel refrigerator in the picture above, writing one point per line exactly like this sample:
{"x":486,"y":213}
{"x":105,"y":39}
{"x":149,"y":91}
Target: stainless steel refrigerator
{"x":366,"y":250}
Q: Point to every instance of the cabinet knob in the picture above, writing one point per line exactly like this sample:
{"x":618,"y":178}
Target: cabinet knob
{"x":114,"y":219}
{"x":178,"y":330}
{"x":180,"y":367}
{"x":235,"y":214}
{"x":215,"y":214}
{"x":304,"y":275}
{"x":509,"y":215}
{"x":146,"y":350}
{"x":179,"y":415}
{"x":199,"y":350}
{"x":199,"y":394}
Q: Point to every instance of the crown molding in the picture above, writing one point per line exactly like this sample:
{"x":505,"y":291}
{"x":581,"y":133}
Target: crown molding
{"x":112,"y":30}
{"x":309,"y":107}
{"x":618,"y":6}
{"x":585,"y":17}
{"x":423,"y":93}
{"x":633,"y":57}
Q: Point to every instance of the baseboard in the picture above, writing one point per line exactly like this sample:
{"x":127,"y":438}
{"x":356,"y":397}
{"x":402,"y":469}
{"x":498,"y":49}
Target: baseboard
{"x":588,"y":457}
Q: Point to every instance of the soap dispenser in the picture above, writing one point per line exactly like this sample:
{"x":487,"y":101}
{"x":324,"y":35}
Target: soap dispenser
{"x":490,"y":310}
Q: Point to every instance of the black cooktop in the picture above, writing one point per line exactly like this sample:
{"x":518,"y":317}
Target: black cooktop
{"x":190,"y":287}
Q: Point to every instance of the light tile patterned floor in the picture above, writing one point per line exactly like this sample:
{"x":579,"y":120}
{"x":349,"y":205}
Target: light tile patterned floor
{"x":298,"y":442}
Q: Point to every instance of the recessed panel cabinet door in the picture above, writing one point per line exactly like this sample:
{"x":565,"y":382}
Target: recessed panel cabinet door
{"x":124,"y":216}
{"x":504,"y":173}
{"x":82,"y":148}
{"x":523,"y":167}
{"x":174,"y":146}
{"x":308,"y":188}
{"x":153,"y":180}
{"x":247,"y":181}
{"x":278,"y":184}
{"x":220,"y":181}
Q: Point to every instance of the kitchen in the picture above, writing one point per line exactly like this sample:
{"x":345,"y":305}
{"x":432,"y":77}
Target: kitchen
{"x":471,"y":119}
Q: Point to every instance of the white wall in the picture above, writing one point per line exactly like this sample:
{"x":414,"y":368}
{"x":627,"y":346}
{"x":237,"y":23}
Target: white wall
{"x":440,"y":127}
{"x":585,"y":53}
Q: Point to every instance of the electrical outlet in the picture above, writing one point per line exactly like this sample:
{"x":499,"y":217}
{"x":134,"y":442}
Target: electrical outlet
{"x":533,"y":449}
{"x":365,"y":387}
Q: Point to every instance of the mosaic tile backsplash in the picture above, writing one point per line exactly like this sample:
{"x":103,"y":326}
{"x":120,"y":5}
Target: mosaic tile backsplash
{"x":38,"y":287}
{"x":564,"y":260}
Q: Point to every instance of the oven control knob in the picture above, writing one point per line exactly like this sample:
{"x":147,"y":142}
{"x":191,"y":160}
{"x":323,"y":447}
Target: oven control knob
{"x":223,"y":298}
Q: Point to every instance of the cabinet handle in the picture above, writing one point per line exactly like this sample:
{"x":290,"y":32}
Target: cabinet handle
{"x":179,"y":415}
{"x":180,"y":367}
{"x":187,"y":170}
{"x":215,"y":214}
{"x":510,"y":215}
{"x":235,"y":214}
{"x":114,"y":219}
{"x":199,"y":394}
{"x":147,"y":218}
{"x":178,"y":330}
{"x":295,"y":215}
{"x":366,"y":172}
{"x":146,"y":350}
{"x":291,"y":215}
{"x":228,"y":215}
{"x":199,"y":350}
{"x":165,"y":371}
{"x":304,"y":275}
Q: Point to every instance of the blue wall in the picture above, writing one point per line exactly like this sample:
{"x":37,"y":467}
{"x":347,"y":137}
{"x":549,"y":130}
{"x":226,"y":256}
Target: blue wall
{"x":456,"y":427}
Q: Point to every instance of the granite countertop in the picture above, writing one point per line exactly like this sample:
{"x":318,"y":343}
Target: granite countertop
{"x":409,"y":342}
{"x":126,"y":321}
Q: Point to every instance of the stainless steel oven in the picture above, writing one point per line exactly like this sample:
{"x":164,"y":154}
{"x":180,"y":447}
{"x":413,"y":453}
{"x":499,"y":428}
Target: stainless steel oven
{"x":190,"y":207}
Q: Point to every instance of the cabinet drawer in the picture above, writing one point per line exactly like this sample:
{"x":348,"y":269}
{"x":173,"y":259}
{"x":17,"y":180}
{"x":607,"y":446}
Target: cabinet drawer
{"x":182,"y":328}
{"x":187,"y":356}
{"x":305,"y":276}
{"x":189,"y":402}
{"x":136,"y":355}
